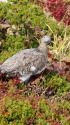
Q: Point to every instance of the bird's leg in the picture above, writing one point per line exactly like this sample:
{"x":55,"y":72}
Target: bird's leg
{"x":25,"y":78}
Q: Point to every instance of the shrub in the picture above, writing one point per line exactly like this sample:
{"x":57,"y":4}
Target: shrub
{"x":25,"y":27}
{"x":33,"y":110}
{"x":45,"y":102}
{"x":15,"y":112}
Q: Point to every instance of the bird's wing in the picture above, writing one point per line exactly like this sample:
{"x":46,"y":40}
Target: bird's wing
{"x":23,"y":61}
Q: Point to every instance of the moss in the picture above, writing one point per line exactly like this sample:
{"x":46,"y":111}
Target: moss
{"x":16,"y":111}
{"x":26,"y":16}
{"x":29,"y":19}
{"x":58,"y":84}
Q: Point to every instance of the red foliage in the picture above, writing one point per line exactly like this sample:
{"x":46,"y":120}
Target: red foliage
{"x":56,"y":122}
{"x":34,"y":101}
{"x":31,"y":121}
{"x":6,"y":83}
{"x":5,"y":26}
{"x":59,"y":9}
{"x":62,"y":67}
{"x":16,"y":80}
{"x":31,"y":0}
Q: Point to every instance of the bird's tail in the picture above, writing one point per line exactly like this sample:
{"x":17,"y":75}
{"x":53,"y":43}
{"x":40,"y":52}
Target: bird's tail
{"x":1,"y":69}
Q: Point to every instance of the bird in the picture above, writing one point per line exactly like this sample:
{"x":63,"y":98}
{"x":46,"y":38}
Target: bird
{"x":27,"y":62}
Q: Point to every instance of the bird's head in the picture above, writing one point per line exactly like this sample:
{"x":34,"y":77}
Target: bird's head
{"x":46,"y":39}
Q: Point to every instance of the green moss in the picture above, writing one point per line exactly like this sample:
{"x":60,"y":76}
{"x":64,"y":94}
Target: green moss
{"x":41,"y":121}
{"x":16,"y":112}
{"x":26,"y":17}
{"x":57,"y":84}
{"x":23,"y":13}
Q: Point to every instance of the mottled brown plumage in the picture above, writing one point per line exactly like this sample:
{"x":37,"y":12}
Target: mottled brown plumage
{"x":27,"y":62}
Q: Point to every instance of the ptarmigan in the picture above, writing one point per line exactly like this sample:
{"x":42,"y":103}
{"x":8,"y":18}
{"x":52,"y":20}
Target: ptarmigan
{"x":27,"y":62}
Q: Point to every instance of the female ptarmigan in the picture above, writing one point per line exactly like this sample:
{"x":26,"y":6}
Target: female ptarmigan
{"x":27,"y":62}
